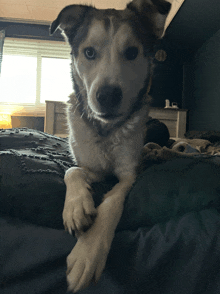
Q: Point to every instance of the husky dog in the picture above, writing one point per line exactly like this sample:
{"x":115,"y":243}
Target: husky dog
{"x":112,"y":62}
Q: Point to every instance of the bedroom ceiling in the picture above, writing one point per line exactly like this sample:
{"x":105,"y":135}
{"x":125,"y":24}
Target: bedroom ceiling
{"x":47,"y":10}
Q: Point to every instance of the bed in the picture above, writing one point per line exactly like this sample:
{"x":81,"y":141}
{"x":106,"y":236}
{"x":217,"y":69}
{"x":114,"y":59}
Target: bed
{"x":168,"y":239}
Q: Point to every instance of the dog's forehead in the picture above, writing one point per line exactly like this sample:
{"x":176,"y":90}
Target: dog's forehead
{"x":109,"y":28}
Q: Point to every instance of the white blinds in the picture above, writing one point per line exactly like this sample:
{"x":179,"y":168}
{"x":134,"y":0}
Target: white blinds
{"x":36,"y":47}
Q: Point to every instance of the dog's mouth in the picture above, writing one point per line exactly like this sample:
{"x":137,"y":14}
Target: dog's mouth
{"x":109,"y":117}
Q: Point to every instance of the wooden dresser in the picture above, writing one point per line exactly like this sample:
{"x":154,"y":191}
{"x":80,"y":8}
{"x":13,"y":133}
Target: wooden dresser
{"x":55,"y":119}
{"x":174,"y":119}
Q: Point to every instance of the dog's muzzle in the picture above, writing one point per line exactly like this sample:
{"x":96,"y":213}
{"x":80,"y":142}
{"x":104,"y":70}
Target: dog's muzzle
{"x":109,"y":99}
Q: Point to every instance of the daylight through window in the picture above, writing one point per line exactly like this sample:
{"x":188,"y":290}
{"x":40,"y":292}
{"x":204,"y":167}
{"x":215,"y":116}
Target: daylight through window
{"x":35,"y":71}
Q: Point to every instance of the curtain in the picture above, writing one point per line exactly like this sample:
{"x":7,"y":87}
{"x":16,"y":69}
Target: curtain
{"x":2,"y":38}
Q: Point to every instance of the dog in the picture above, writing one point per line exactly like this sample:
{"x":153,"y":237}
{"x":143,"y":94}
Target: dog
{"x":112,"y":62}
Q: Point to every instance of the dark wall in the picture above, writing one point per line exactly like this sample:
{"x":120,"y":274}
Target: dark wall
{"x":168,"y":75}
{"x":202,"y":87}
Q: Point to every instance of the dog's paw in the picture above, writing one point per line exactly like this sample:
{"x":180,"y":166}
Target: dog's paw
{"x":79,"y":212}
{"x":86,"y":262}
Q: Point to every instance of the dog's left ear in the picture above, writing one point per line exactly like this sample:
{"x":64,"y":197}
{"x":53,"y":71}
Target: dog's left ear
{"x":153,"y":12}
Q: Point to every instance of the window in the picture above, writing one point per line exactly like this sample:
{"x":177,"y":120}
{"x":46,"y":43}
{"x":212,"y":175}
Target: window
{"x":55,"y":79}
{"x":18,"y":79}
{"x":34,"y":71}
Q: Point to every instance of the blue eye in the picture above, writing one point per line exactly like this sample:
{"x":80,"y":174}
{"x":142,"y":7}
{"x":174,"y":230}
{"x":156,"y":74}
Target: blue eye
{"x":131,"y":53}
{"x":90,"y":53}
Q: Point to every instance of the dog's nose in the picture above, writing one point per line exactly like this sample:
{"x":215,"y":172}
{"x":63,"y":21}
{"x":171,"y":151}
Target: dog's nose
{"x":109,"y":97}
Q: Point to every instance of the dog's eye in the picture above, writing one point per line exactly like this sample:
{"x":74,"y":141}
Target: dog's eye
{"x":131,"y":53}
{"x":90,"y":53}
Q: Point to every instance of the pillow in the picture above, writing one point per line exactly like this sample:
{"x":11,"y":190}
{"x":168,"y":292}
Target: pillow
{"x":171,"y":189}
{"x":32,"y":167}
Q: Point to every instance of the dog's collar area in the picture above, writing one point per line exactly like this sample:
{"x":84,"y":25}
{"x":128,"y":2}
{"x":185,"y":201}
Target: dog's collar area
{"x":106,"y":128}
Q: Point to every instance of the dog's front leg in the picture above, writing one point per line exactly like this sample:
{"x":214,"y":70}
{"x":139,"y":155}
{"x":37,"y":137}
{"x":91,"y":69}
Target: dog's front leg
{"x":79,"y":210}
{"x":88,"y":258}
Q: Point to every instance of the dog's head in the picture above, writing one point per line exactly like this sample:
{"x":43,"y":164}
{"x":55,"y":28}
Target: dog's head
{"x":112,"y":52}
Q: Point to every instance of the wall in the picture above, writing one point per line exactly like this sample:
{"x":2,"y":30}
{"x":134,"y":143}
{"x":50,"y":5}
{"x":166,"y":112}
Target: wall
{"x":201,"y":94}
{"x":168,"y":75}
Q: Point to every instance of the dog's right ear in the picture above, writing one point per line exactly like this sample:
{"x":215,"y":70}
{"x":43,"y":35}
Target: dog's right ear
{"x":69,"y":19}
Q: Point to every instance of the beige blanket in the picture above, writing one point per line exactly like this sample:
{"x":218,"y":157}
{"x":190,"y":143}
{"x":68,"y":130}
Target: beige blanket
{"x":180,"y":148}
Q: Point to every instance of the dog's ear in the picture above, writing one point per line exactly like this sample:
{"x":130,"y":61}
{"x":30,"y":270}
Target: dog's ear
{"x":152,"y":11}
{"x":70,"y":18}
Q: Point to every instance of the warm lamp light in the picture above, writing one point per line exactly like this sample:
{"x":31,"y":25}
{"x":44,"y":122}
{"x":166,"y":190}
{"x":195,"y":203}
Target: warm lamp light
{"x":6,"y":113}
{"x":5,"y":121}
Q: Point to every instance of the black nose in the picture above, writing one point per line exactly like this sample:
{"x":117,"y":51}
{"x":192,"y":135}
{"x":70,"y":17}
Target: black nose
{"x":109,"y":97}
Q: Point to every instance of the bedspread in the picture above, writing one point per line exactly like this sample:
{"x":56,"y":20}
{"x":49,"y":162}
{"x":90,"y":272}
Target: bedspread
{"x":168,"y":239}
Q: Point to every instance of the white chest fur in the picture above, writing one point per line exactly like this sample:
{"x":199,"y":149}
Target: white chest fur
{"x":118,"y":153}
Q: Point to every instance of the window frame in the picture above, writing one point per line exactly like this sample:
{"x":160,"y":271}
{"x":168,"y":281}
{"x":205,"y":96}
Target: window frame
{"x":38,"y":49}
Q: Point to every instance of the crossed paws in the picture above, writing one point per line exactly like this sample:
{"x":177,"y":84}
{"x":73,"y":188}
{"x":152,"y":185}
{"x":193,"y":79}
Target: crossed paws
{"x":87,"y":260}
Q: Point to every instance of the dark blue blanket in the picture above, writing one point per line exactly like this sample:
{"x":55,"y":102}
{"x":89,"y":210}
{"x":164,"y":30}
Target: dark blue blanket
{"x":167,"y":241}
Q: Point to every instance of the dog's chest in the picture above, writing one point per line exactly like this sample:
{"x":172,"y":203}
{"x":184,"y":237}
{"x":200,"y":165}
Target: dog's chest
{"x":103,"y":154}
{"x":91,"y":153}
{"x":94,"y":152}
